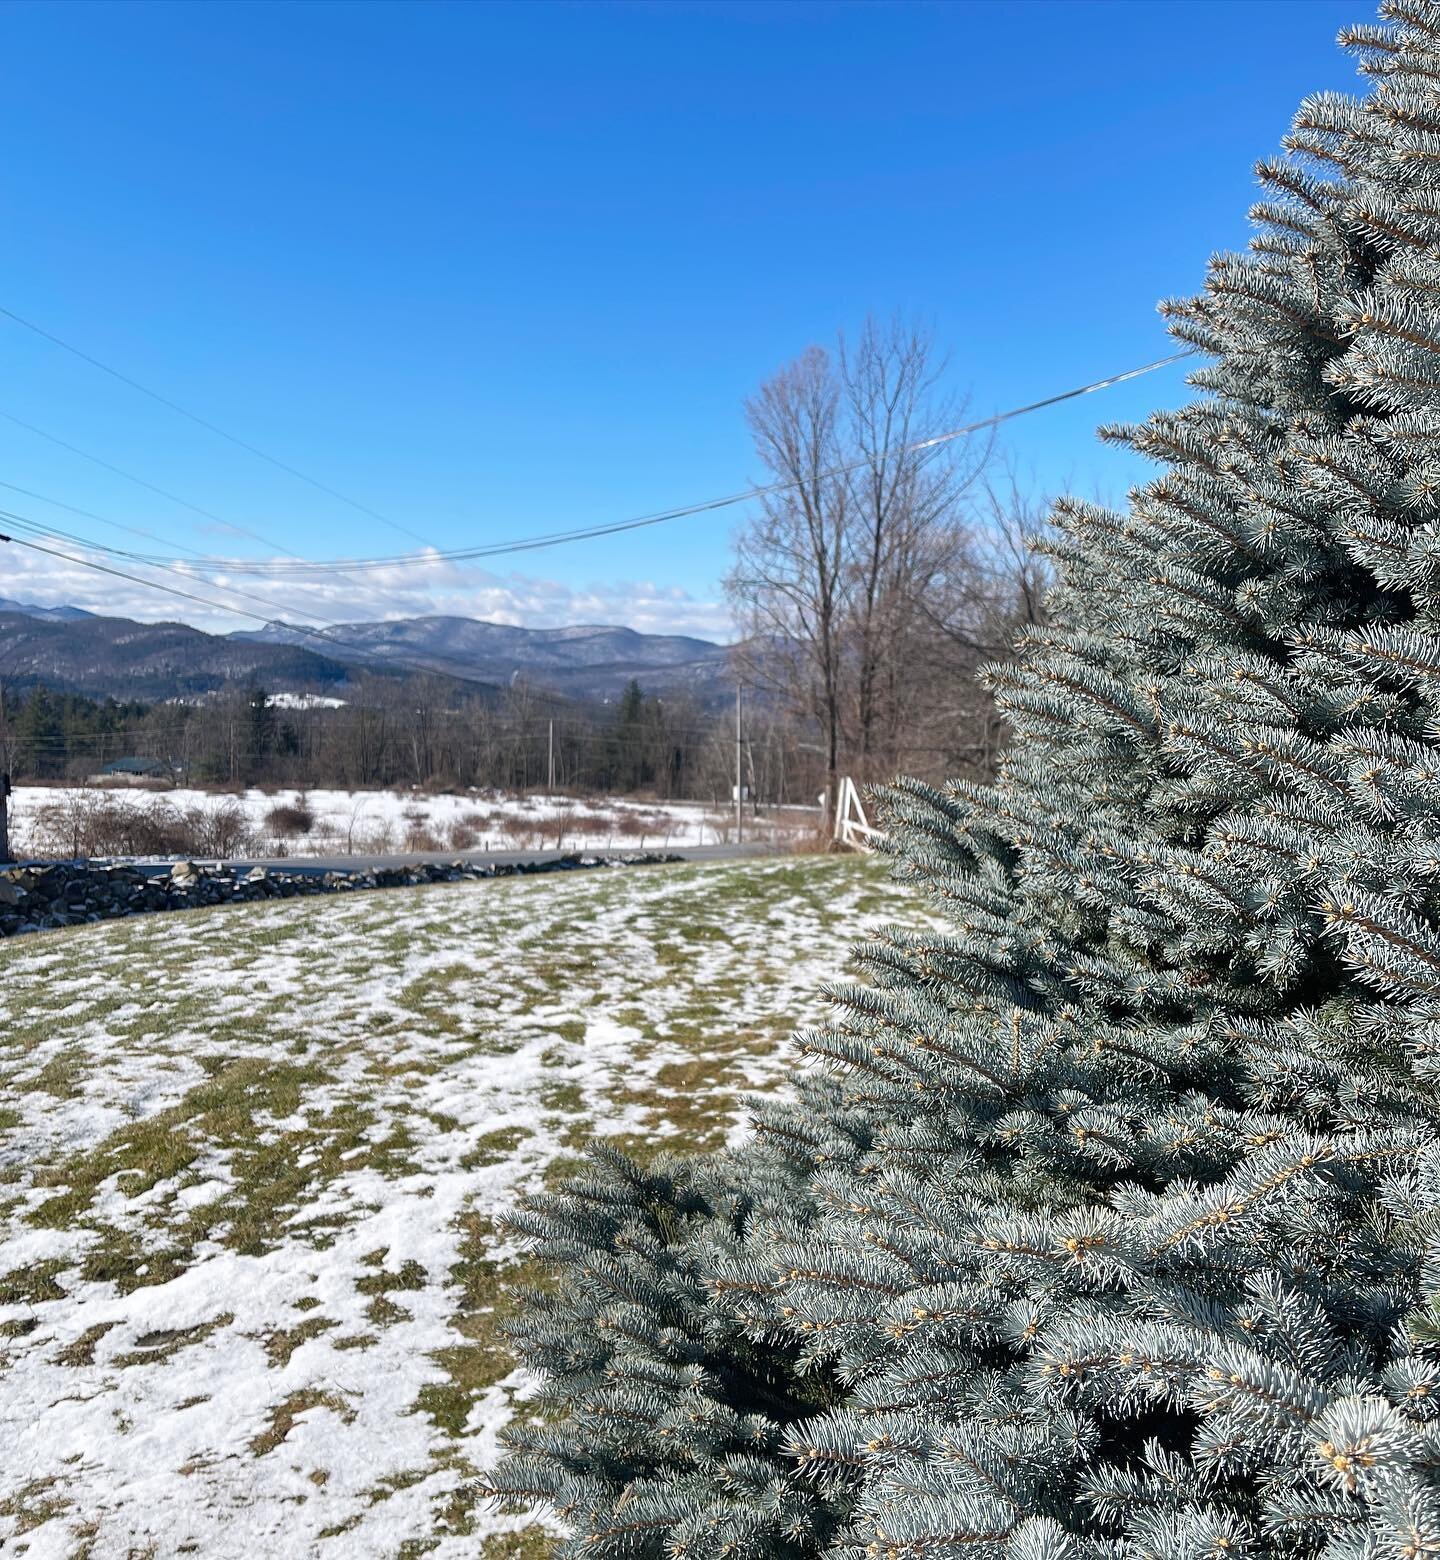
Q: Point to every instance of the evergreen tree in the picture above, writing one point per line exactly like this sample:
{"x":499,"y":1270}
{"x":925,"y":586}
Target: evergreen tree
{"x":1114,"y":1230}
{"x":630,"y":767}
{"x":260,"y":726}
{"x":40,"y":733}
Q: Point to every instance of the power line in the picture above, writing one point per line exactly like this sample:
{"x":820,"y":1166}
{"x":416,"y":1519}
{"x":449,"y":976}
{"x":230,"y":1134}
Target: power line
{"x":148,"y":559}
{"x":530,"y":543}
{"x":129,"y":476}
{"x":325,"y":636}
{"x":344,"y":567}
{"x":164,"y":493}
{"x":214,"y":428}
{"x":115,"y":525}
{"x":556,"y":538}
{"x":35,"y":527}
{"x":120,"y":574}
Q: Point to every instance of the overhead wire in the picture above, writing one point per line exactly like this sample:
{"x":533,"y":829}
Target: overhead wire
{"x":148,"y":560}
{"x":432,"y":555}
{"x":151,"y":487}
{"x":174,"y":498}
{"x":120,"y":574}
{"x":36,"y":527}
{"x":114,"y":525}
{"x":212,"y":427}
{"x":612,"y":528}
{"x":348,"y":566}
{"x":372,"y":660}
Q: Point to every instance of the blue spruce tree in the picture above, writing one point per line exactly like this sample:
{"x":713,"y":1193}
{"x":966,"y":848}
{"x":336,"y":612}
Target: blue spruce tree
{"x":1113,"y":1227}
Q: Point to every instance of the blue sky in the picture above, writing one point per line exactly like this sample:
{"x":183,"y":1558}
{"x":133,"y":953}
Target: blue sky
{"x":494,"y":270}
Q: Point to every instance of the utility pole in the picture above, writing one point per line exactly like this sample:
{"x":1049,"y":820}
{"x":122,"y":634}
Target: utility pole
{"x":739,"y":790}
{"x":4,"y":781}
{"x":551,"y":789}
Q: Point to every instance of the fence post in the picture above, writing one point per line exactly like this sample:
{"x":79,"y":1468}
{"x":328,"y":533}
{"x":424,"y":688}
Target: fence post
{"x":852,"y":826}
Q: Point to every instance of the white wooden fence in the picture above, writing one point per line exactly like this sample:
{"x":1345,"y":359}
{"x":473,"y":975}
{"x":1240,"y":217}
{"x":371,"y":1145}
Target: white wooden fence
{"x":852,"y":827}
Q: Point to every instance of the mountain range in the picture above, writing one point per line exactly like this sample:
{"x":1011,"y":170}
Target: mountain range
{"x":102,"y":657}
{"x":72,"y":650}
{"x":50,"y":614}
{"x":585,"y":662}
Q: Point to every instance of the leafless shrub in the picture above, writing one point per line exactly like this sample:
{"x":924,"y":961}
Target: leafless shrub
{"x":817,"y":841}
{"x":289,"y":820}
{"x":352,"y":825}
{"x":463,"y":835}
{"x":222,"y":831}
{"x":92,"y":823}
{"x":380,"y":841}
{"x":132,"y":783}
{"x":518,"y":834}
{"x":591,"y":820}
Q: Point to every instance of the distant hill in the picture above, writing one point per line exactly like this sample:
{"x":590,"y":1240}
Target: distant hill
{"x":101,"y":657}
{"x":79,"y":652}
{"x":49,"y":614}
{"x":590,"y":661}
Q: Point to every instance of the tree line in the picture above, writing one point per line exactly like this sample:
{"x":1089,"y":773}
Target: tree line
{"x":425,"y":732}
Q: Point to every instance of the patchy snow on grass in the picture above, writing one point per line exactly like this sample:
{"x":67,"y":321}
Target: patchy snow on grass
{"x":252,"y":1291}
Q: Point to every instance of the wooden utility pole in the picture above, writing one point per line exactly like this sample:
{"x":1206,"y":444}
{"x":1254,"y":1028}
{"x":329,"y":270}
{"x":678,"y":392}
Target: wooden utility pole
{"x":551,"y":790}
{"x":4,"y":781}
{"x":739,"y":789}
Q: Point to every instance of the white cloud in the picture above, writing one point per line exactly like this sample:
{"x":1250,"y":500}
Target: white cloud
{"x":435,"y":586}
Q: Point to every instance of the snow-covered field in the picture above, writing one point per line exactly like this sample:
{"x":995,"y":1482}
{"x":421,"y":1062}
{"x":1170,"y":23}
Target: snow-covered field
{"x":45,"y":820}
{"x":251,"y":1160}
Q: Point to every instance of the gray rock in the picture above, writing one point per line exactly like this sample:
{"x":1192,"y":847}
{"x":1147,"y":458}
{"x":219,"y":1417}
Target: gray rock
{"x":69,"y":894}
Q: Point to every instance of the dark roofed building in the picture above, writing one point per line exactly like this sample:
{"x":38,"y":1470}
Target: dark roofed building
{"x":136,"y":769}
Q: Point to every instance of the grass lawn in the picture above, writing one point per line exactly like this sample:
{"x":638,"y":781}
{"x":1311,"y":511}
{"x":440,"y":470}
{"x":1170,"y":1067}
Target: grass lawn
{"x":251,"y":1161}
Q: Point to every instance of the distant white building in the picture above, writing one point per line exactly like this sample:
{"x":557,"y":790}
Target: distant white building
{"x":303,"y":701}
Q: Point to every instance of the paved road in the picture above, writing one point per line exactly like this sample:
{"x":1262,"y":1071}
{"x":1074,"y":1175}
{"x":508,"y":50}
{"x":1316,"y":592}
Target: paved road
{"x":307,"y":866}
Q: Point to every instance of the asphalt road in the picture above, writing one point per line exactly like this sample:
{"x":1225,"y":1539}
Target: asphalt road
{"x":306,"y":866}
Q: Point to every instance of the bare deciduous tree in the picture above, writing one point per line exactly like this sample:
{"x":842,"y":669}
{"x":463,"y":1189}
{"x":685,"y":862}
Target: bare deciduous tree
{"x":994,"y":587}
{"x":995,"y":584}
{"x":789,"y":578}
{"x":904,"y":509}
{"x":838,"y":577}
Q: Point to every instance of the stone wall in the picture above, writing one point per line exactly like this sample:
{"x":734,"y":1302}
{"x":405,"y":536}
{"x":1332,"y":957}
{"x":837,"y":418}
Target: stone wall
{"x":34,"y":898}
